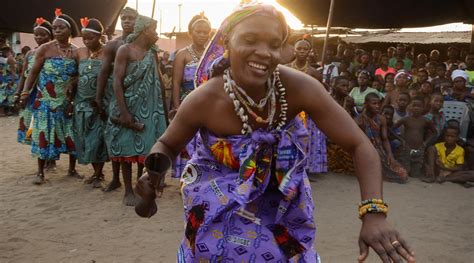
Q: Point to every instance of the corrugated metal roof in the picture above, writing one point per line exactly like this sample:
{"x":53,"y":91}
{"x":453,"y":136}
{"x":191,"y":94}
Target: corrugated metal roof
{"x":413,"y":37}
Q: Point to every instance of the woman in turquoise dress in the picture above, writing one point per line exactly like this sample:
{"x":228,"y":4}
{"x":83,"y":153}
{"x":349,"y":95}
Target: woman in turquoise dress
{"x":43,"y":32}
{"x":54,"y":69}
{"x":184,"y":69}
{"x":138,"y":101}
{"x":88,"y":126}
{"x":246,"y":194}
{"x":8,"y":81}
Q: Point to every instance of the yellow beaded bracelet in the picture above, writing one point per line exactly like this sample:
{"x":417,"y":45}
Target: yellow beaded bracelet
{"x":372,"y":208}
{"x":373,"y":205}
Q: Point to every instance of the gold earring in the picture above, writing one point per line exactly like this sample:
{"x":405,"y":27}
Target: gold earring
{"x":226,"y":54}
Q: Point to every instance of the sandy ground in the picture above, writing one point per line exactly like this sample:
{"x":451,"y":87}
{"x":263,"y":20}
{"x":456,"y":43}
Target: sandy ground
{"x":67,"y":221}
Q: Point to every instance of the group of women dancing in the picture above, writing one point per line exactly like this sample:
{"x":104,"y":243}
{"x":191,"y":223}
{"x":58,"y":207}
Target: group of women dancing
{"x":242,"y":142}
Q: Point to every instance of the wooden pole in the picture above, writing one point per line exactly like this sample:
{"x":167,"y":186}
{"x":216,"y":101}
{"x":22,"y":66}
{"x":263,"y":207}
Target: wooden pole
{"x":328,"y":28}
{"x":472,"y":38}
{"x":153,"y":9}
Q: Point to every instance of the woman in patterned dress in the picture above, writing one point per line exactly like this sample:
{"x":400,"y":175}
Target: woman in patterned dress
{"x":184,"y":68}
{"x":43,"y":32}
{"x":88,"y":126}
{"x":54,"y":68}
{"x":245,"y":191}
{"x":317,"y":157}
{"x":138,"y":100}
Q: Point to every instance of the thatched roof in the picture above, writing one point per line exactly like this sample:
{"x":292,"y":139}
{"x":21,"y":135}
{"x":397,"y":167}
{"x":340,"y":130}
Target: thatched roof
{"x":412,"y":38}
{"x":382,"y":14}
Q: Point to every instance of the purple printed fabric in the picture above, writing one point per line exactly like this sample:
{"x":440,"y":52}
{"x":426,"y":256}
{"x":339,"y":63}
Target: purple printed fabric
{"x":317,"y":152}
{"x":247,"y":198}
{"x":186,"y":87}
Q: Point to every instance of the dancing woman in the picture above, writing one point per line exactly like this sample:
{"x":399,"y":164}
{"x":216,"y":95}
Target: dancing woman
{"x":54,"y":67}
{"x":245,"y":192}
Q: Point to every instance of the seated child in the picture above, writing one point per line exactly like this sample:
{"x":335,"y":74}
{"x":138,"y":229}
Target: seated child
{"x":413,"y":92}
{"x":445,"y":161}
{"x":392,"y":134}
{"x":436,"y":116}
{"x":376,"y":84}
{"x":426,"y":91}
{"x":414,"y":143}
{"x":403,"y":101}
{"x":374,"y":126}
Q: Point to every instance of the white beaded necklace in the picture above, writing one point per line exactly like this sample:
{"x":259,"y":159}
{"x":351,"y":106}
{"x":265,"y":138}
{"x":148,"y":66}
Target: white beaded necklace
{"x":239,"y":110}
{"x":261,"y":105}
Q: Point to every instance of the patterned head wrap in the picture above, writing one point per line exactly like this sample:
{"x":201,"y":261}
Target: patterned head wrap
{"x":141,"y":24}
{"x":401,"y":73}
{"x":213,"y":55}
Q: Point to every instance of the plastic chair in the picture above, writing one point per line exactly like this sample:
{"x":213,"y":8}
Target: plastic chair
{"x":459,"y":111}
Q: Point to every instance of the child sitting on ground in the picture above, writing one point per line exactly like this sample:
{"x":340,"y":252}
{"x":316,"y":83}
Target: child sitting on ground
{"x":414,"y":143}
{"x":403,"y":101}
{"x":445,"y":161}
{"x":392,"y":134}
{"x":374,"y":126}
{"x":413,"y":92}
{"x":437,"y":118}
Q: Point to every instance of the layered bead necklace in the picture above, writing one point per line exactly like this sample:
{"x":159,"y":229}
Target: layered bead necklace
{"x":64,"y":52}
{"x":239,"y":97}
{"x":94,"y":55}
{"x":194,"y":54}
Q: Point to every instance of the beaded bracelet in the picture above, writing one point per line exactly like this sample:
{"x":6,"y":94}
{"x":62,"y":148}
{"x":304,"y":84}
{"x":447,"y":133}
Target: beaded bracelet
{"x":372,"y":206}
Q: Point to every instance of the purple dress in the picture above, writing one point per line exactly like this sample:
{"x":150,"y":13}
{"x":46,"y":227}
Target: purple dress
{"x":247,"y":198}
{"x":186,"y":87}
{"x":317,"y":152}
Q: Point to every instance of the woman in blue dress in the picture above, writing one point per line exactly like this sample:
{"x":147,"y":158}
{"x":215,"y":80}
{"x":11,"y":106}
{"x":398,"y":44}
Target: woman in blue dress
{"x":54,"y":69}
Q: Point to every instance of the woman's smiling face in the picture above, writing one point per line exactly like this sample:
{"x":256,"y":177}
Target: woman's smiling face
{"x":255,"y":46}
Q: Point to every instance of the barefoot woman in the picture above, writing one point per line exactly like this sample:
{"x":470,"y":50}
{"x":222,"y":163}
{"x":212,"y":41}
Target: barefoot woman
{"x":245,"y":192}
{"x":88,"y":126}
{"x":105,"y":92}
{"x":138,"y":100}
{"x":54,"y":68}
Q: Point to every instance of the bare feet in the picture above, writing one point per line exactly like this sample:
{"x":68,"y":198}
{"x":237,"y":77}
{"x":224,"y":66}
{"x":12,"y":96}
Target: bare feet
{"x":428,"y":179}
{"x":89,"y":180}
{"x":112,"y":186}
{"x":130,"y":199}
{"x":50,"y":165}
{"x":97,"y":182}
{"x":75,"y":174}
{"x":39,"y":179}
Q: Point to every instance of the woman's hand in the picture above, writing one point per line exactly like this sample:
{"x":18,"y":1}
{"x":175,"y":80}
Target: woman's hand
{"x":146,"y":190}
{"x":126,"y":119}
{"x":23,"y":100}
{"x":377,"y":233}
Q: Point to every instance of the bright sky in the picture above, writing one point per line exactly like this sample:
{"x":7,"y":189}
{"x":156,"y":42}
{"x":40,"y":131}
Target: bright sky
{"x":217,"y":10}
